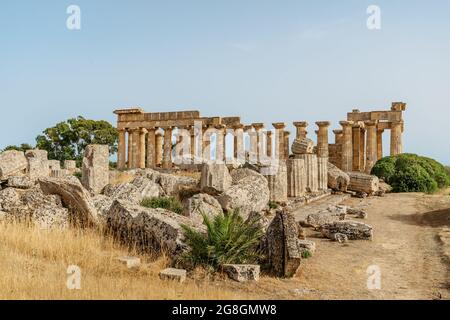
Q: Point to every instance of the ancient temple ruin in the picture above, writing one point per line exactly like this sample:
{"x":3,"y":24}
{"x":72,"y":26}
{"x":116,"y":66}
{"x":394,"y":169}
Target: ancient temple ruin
{"x":168,"y":139}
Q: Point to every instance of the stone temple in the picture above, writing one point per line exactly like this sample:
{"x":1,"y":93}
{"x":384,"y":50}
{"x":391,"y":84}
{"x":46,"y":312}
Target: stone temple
{"x":185,"y":139}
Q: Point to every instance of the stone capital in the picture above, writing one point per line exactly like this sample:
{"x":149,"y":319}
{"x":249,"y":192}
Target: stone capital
{"x":287,"y":133}
{"x":370,"y":123}
{"x":238,"y":126}
{"x":258,"y":126}
{"x":300,"y":124}
{"x":279,"y":125}
{"x":323,"y":124}
{"x":345,"y":123}
{"x":143,"y":130}
{"x":248,"y":128}
{"x":338,"y":131}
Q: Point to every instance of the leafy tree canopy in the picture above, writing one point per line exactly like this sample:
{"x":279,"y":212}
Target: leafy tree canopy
{"x":67,"y":140}
{"x":23,"y":147}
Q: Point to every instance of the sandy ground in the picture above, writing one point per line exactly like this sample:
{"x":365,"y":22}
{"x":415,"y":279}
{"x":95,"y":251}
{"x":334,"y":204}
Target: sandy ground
{"x":406,"y":249}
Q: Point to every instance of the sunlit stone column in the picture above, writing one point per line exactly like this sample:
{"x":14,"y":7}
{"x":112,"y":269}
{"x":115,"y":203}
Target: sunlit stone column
{"x":192,"y":143}
{"x":286,"y":144}
{"x":380,"y":143}
{"x":396,"y":138}
{"x":322,"y":139}
{"x":130,"y":149}
{"x":239,"y":151}
{"x":296,"y":175}
{"x":259,"y":140}
{"x":338,"y":136}
{"x":347,"y":163}
{"x":220,"y":143}
{"x":356,"y":137}
{"x":151,"y":144}
{"x":279,"y":139}
{"x":301,"y":129}
{"x":362,"y":149}
{"x":142,"y":153}
{"x":371,"y":153}
{"x":269,"y":144}
{"x":121,"y":153}
{"x":167,"y":155}
{"x":207,"y":143}
{"x":135,"y":148}
{"x":159,"y":143}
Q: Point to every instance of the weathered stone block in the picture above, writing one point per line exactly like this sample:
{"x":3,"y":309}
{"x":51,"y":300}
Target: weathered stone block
{"x":338,"y":180}
{"x":361,"y":182}
{"x":352,"y":229}
{"x":95,"y":172}
{"x":38,"y":165}
{"x":130,"y":262}
{"x":201,"y":203}
{"x":20,"y":182}
{"x":215,"y":178}
{"x":12,"y":163}
{"x":242,"y":272}
{"x":178,"y":275}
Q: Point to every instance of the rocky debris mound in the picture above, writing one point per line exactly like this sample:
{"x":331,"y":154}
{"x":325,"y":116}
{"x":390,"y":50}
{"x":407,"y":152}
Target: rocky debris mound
{"x":170,"y":184}
{"x":215,"y":178}
{"x":20,"y":182}
{"x":338,"y":180}
{"x":302,"y":146}
{"x":44,"y":211}
{"x":249,"y":193}
{"x":199,"y":204}
{"x":283,"y":250}
{"x":12,"y":163}
{"x":352,"y":229}
{"x":152,"y":230}
{"x":242,"y":272}
{"x":363,"y":183}
{"x":74,"y":197}
{"x":358,"y":213}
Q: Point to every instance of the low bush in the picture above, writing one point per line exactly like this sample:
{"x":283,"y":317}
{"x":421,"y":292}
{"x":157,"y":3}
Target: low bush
{"x":228,"y":240}
{"x":412,"y":173}
{"x":169,"y":203}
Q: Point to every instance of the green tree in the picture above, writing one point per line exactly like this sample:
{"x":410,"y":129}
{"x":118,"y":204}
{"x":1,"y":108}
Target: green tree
{"x":67,"y":140}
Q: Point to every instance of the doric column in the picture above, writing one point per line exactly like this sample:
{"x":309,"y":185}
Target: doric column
{"x":207,"y":143}
{"x":142,"y":153}
{"x":239,"y":151}
{"x":338,"y":136}
{"x":269,"y":144}
{"x":396,"y":138}
{"x":286,"y":144}
{"x":192,"y":143}
{"x":159,"y":143}
{"x":259,"y":140}
{"x":301,"y":129}
{"x":322,"y":139}
{"x":167,"y":154}
{"x":253,"y":140}
{"x":371,"y":152}
{"x":135,"y":155}
{"x":362,"y":150}
{"x":130,"y":149}
{"x":347,"y":163}
{"x":380,"y":143}
{"x":151,"y":145}
{"x":278,"y":183}
{"x":220,"y":143}
{"x":296,"y":174}
{"x":121,"y":151}
{"x":356,"y":142}
{"x":312,"y":172}
{"x":279,"y":139}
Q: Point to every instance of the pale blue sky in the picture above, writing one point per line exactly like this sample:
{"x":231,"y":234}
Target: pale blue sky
{"x":266,"y":61}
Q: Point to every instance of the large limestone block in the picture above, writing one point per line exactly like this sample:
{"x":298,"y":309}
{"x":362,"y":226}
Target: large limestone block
{"x":134,"y":191}
{"x":12,"y":163}
{"x":242,"y":272}
{"x":250,"y":194}
{"x":171,"y":184}
{"x":278,"y":182}
{"x":242,"y":173}
{"x":54,"y":164}
{"x":361,"y":182}
{"x":215,"y":178}
{"x":302,"y":146}
{"x":296,"y":177}
{"x":332,"y":214}
{"x":338,"y":180}
{"x":153,"y":230}
{"x":283,"y":251}
{"x":95,"y":172}
{"x":200,"y":204}
{"x":74,"y":197}
{"x":38,"y":165}
{"x":352,"y":229}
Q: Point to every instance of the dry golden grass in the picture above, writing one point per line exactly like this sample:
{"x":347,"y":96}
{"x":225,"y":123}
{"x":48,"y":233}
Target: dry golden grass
{"x":33,"y":265}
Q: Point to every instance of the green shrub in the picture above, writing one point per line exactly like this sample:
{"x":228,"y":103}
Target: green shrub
{"x":306,"y":254}
{"x":228,"y":240}
{"x":412,"y":173}
{"x":273,"y":205}
{"x":169,"y":203}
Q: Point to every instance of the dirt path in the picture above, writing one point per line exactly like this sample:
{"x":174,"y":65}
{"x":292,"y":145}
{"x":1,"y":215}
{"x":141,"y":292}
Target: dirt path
{"x":405,"y":248}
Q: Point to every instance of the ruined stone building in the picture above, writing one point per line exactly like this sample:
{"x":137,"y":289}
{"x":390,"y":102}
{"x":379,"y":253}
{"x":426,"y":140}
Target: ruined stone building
{"x":165,"y":139}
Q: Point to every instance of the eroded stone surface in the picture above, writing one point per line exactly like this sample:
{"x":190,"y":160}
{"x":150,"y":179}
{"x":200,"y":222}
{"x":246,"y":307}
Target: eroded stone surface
{"x":173,"y":274}
{"x":12,"y":163}
{"x":201,"y":203}
{"x":352,"y":229}
{"x":95,"y":171}
{"x":242,"y":272}
{"x":215,"y":178}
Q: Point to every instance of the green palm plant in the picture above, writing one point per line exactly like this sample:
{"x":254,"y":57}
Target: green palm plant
{"x":228,"y":240}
